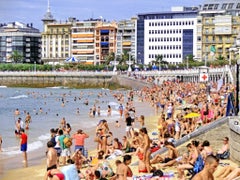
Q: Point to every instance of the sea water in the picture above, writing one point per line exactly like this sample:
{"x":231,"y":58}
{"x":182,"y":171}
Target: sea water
{"x":46,"y":108}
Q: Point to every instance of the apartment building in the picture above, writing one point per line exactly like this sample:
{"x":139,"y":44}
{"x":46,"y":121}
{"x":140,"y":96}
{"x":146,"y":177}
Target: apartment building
{"x":21,"y":38}
{"x":170,"y":34}
{"x":105,"y":40}
{"x":218,"y":25}
{"x":126,"y":37}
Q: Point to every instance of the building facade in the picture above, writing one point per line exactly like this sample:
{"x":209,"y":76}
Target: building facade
{"x":83,"y":41}
{"x":169,"y":34}
{"x":21,"y":38}
{"x":105,"y":40}
{"x":126,"y":37}
{"x":218,"y":25}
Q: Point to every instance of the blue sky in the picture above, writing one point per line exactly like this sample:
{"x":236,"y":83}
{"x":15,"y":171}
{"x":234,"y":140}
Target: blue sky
{"x":32,"y":11}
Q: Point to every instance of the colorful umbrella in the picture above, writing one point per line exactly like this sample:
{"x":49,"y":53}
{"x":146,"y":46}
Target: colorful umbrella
{"x":192,"y":115}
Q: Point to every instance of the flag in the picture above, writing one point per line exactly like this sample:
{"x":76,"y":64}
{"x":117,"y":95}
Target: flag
{"x":230,"y":111}
{"x":212,"y":50}
{"x":219,"y":84}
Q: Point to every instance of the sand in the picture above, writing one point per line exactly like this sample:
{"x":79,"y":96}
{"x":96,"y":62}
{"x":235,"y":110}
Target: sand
{"x":37,"y":171}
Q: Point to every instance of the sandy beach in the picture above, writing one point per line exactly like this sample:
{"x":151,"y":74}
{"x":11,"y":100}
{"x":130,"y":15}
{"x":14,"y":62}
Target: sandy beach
{"x":36,"y":169}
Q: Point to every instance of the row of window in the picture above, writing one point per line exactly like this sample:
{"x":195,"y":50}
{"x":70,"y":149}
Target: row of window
{"x":168,"y":31}
{"x":171,"y":23}
{"x":165,"y":55}
{"x":169,"y":47}
{"x":165,"y":39}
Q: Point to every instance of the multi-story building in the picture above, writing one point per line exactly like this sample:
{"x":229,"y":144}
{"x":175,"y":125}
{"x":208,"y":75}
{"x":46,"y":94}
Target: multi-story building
{"x":218,"y":25}
{"x":169,"y":34}
{"x":83,"y":41}
{"x":126,"y":37}
{"x":21,"y":38}
{"x":105,"y":40}
{"x":56,"y":39}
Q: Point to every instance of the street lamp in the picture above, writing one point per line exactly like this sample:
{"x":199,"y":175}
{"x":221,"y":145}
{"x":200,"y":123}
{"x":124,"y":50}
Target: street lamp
{"x":187,"y":62}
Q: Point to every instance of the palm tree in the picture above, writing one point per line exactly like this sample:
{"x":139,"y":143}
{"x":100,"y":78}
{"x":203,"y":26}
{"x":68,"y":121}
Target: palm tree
{"x":16,"y":56}
{"x":110,"y":57}
{"x":159,"y":60}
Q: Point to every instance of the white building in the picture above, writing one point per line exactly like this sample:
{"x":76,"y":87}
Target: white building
{"x":170,"y":34}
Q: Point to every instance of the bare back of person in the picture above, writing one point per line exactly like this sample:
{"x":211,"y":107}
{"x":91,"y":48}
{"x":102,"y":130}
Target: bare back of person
{"x":51,"y":157}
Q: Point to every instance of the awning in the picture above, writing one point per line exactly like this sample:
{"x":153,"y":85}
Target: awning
{"x":104,"y":43}
{"x":104,"y":31}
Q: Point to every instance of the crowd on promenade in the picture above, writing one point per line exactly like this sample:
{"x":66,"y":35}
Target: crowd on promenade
{"x":173,"y":102}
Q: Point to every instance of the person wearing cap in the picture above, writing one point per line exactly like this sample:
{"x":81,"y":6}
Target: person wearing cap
{"x":79,"y":138}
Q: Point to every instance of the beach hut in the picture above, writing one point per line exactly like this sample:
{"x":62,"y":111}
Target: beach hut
{"x":71,"y":60}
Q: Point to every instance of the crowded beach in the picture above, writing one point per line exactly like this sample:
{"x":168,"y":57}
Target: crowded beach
{"x":180,"y":109}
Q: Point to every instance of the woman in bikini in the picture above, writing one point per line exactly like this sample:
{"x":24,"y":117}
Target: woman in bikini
{"x":141,"y":165}
{"x":123,"y":170}
{"x":54,"y":174}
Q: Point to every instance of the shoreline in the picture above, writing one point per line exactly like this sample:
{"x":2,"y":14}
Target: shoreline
{"x":37,"y":158}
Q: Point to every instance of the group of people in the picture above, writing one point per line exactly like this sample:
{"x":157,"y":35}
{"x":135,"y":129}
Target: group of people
{"x":172,"y":101}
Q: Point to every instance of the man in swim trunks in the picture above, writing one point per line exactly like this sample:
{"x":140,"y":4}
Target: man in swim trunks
{"x":51,"y":156}
{"x":23,"y":145}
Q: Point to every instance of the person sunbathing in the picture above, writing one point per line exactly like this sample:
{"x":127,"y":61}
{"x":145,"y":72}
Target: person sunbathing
{"x":171,"y":154}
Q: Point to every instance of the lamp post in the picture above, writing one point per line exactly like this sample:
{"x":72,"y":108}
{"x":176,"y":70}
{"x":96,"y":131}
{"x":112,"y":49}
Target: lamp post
{"x":129,"y":62}
{"x":187,"y":62}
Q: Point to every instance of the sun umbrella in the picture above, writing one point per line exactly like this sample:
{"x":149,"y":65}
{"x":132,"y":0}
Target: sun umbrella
{"x":192,"y":115}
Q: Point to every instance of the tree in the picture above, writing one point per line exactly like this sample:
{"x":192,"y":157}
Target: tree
{"x":159,"y":61}
{"x":110,"y":57}
{"x":16,"y":56}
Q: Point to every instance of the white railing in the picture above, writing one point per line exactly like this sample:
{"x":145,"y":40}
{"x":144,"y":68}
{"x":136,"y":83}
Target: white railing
{"x":56,"y":73}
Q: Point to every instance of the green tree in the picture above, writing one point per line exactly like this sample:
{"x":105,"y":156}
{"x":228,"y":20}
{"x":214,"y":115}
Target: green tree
{"x":159,"y":61}
{"x":16,"y":56}
{"x":110,"y":57}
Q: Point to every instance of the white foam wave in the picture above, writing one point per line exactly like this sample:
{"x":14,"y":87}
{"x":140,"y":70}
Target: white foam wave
{"x":113,"y":104}
{"x":16,"y":150}
{"x":3,"y":86}
{"x":19,"y":97}
{"x":44,"y":137}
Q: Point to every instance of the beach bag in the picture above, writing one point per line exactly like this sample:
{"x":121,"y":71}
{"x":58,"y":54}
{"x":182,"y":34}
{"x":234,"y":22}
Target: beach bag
{"x":158,"y":173}
{"x":67,"y":141}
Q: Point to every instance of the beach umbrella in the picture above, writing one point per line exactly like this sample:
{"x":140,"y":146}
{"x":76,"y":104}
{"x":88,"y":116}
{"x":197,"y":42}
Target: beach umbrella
{"x":192,"y":115}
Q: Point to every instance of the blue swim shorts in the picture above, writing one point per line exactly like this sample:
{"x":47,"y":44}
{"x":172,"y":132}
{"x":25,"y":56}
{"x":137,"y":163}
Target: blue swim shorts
{"x":24,"y":147}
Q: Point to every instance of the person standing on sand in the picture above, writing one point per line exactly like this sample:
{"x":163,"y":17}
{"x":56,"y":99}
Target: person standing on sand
{"x":23,"y":145}
{"x":146,"y":148}
{"x":51,"y":156}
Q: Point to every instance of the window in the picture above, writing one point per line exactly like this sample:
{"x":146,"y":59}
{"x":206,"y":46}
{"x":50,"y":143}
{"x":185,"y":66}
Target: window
{"x":224,"y":6}
{"x":238,"y":6}
{"x":216,"y":6}
{"x":230,"y":6}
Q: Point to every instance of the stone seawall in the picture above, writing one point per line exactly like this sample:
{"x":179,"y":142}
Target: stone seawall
{"x":130,"y":82}
{"x":56,"y":80}
{"x":234,"y":125}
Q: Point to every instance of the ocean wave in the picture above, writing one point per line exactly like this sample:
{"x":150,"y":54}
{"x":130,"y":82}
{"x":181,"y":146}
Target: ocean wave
{"x":16,"y":150}
{"x":3,"y":86}
{"x":19,"y":97}
{"x":44,"y":137}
